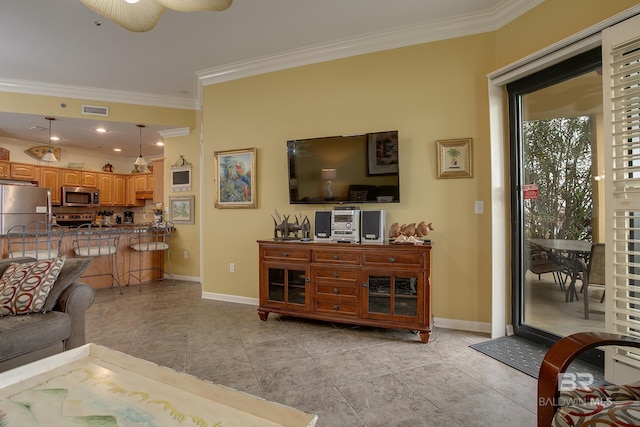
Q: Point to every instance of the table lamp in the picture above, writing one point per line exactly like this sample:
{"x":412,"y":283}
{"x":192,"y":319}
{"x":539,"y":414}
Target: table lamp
{"x":327,"y":175}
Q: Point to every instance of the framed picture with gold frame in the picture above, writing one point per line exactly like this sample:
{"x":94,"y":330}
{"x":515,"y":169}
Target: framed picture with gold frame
{"x":235,"y":178}
{"x":455,"y":158}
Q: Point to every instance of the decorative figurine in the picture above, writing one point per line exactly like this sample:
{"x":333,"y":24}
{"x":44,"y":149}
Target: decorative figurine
{"x":285,"y":230}
{"x":409,"y":233}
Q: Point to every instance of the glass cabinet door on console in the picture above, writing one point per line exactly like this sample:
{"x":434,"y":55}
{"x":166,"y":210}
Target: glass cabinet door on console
{"x":286,"y":286}
{"x":395,"y":294}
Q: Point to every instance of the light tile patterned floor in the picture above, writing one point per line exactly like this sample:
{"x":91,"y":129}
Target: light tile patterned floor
{"x":349,"y":376}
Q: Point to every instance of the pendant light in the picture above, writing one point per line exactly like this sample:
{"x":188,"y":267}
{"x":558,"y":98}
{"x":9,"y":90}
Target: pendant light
{"x":49,"y":156}
{"x":140,"y":160}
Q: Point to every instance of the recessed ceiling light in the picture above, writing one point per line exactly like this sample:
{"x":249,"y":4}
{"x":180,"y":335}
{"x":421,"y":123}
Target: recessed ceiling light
{"x":117,"y":149}
{"x":160,"y":144}
{"x":132,"y":1}
{"x":55,"y":138}
{"x":101,"y":130}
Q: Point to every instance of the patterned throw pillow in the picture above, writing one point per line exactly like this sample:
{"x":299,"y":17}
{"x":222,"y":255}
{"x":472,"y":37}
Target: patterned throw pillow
{"x":25,"y":287}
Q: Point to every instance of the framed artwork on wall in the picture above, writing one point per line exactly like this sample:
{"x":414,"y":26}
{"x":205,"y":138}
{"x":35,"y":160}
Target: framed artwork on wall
{"x":455,"y":158}
{"x":181,"y":209}
{"x":382,"y":153}
{"x":235,"y":178}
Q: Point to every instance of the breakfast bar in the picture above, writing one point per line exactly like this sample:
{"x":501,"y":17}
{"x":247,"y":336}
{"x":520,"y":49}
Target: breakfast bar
{"x":151,"y":263}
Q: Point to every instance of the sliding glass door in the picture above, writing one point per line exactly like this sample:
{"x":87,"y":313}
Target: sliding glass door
{"x":557,"y":197}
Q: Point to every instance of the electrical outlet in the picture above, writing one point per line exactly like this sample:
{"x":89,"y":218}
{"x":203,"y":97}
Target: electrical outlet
{"x":232,"y":267}
{"x":186,"y":254}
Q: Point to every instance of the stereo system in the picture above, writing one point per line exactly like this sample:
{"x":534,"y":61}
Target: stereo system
{"x":348,"y":224}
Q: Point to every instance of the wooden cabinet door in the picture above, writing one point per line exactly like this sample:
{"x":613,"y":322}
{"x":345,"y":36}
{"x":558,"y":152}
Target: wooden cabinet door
{"x":130,"y":192}
{"x":119,"y":190}
{"x":50,"y":178}
{"x":396,"y":295}
{"x":140,"y":182}
{"x":285,"y":286}
{"x":105,"y":184}
{"x":71,"y":178}
{"x":24,"y":172}
{"x":5,"y":169}
{"x":90,"y":179}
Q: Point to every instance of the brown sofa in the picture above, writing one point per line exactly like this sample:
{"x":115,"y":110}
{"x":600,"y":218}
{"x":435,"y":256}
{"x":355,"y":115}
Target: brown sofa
{"x":29,"y":337}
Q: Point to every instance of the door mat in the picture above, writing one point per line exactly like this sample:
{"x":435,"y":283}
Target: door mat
{"x":526,"y":356}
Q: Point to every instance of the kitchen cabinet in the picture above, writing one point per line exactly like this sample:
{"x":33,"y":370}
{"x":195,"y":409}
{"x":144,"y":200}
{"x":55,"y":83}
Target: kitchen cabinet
{"x":119,"y":190}
{"x":386,"y":286}
{"x":50,"y":178}
{"x":71,"y":177}
{"x":25,"y":172}
{"x":89,"y":179}
{"x":144,"y":185}
{"x":112,"y":189}
{"x":130,"y":192}
{"x":5,"y":170}
{"x":105,"y":185}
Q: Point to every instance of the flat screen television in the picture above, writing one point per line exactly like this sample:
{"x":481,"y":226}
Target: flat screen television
{"x":344,"y":169}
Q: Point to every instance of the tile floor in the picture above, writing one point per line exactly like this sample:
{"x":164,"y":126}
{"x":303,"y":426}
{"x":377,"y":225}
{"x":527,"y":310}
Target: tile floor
{"x":349,"y":376}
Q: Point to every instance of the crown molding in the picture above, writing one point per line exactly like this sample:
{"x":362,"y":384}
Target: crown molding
{"x":425,"y":33}
{"x":374,"y":42}
{"x":95,"y":94}
{"x":173,"y":133}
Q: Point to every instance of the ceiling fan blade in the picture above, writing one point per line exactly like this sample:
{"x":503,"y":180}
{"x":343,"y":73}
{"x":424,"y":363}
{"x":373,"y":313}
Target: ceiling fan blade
{"x":195,"y":5}
{"x":138,"y":17}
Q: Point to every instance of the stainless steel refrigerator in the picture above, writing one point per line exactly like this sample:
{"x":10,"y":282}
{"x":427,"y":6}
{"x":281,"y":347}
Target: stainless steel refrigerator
{"x":22,"y":204}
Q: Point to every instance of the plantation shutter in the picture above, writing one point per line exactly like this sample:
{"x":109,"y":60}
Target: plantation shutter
{"x":621,"y":74}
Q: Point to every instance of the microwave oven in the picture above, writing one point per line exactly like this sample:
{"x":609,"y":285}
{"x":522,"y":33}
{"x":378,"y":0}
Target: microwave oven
{"x":80,"y":196}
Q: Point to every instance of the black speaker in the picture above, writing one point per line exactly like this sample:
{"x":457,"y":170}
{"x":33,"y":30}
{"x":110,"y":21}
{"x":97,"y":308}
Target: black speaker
{"x":372,"y":226}
{"x":322,"y":225}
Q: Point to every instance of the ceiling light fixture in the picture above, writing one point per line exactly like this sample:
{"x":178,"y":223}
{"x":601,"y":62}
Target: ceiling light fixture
{"x":140,"y":161}
{"x":139,"y":16}
{"x":49,"y":156}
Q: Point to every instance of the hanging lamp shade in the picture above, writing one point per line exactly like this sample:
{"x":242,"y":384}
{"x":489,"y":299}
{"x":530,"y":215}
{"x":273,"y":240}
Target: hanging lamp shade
{"x":140,"y":161}
{"x":49,"y":156}
{"x":143,"y":15}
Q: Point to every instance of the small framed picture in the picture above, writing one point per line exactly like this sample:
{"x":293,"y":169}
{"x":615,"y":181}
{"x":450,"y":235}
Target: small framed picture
{"x":382,"y":153}
{"x":235,"y":178}
{"x":455,"y":158}
{"x":181,"y":209}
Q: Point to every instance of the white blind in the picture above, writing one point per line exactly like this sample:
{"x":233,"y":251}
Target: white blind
{"x":624,"y":69}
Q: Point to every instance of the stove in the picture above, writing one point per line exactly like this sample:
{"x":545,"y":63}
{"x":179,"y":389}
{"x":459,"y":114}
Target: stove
{"x":74,"y":220}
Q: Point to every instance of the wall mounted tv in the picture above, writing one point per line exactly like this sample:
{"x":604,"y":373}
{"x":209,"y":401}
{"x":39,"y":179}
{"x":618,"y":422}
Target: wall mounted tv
{"x":344,"y":169}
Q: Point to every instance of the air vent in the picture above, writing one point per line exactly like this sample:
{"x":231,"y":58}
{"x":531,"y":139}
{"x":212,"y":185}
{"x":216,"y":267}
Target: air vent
{"x":95,"y":110}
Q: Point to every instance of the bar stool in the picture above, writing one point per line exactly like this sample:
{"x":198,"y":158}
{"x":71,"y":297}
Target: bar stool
{"x":150,"y":238}
{"x":37,"y":239}
{"x":96,"y":241}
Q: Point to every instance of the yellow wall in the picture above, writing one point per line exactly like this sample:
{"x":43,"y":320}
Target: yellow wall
{"x":118,"y":112}
{"x":407,"y":89}
{"x":428,"y":92}
{"x":550,"y":22}
{"x":187,"y":236}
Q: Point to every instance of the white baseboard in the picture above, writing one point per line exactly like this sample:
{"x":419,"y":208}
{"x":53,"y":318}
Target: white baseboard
{"x":185,"y":278}
{"x":230,"y":298}
{"x":462,"y":325}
